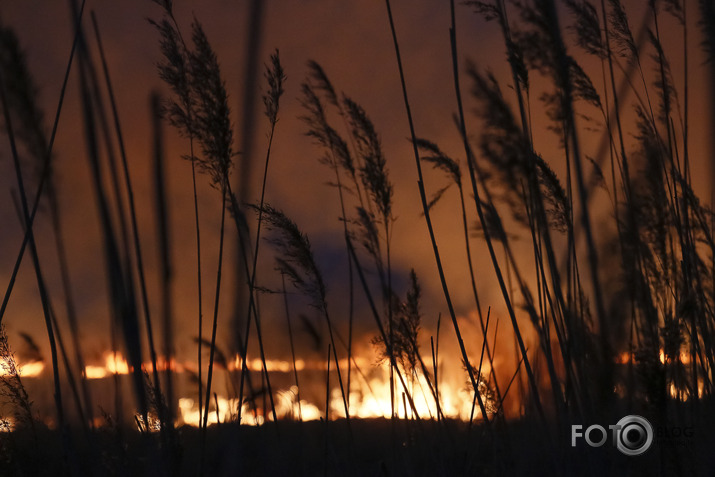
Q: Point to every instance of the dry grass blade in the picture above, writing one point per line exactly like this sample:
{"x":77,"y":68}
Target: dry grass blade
{"x":557,"y":206}
{"x":675,"y":8}
{"x":407,"y":318}
{"x":587,"y":27}
{"x":275,"y":76}
{"x":337,"y":151}
{"x":175,"y":71}
{"x":503,"y":144}
{"x":22,"y":100}
{"x":213,"y":124}
{"x":621,"y":32}
{"x":664,"y":83}
{"x":323,"y":83}
{"x":369,"y":236}
{"x":167,"y":5}
{"x":373,"y":172}
{"x":440,"y":160}
{"x":296,"y":259}
{"x":490,"y":11}
{"x":200,"y":109}
{"x":11,"y":385}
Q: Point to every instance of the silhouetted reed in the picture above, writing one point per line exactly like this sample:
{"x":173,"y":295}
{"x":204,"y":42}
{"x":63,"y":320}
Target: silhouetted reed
{"x":611,"y":307}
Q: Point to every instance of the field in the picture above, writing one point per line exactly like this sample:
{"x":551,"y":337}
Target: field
{"x":365,"y":238}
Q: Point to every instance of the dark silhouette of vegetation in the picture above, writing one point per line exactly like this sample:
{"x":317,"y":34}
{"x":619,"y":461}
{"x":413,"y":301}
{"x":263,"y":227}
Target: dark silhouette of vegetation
{"x":611,"y":307}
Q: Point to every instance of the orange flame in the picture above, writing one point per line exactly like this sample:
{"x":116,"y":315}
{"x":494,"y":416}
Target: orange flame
{"x":114,"y":363}
{"x":368,"y":399}
{"x":25,"y":370}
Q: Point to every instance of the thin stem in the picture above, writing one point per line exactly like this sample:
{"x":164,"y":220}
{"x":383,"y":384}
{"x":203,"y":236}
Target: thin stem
{"x":44,"y":297}
{"x":425,"y":209}
{"x":132,"y":209}
{"x":214,"y":325}
{"x":45,"y":175}
{"x":292,"y":346}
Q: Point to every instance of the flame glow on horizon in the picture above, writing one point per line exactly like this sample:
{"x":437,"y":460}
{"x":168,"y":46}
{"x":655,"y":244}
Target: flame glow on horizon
{"x":25,"y":370}
{"x":115,"y":363}
{"x":369,"y":396}
{"x":368,"y":399}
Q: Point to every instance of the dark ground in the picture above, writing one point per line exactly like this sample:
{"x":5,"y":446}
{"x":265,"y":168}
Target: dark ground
{"x":370,"y":447}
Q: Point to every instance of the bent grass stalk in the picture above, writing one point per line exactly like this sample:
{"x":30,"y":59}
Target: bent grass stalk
{"x":275,"y":78}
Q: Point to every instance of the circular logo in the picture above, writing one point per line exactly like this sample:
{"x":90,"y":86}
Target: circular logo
{"x":634,"y":435}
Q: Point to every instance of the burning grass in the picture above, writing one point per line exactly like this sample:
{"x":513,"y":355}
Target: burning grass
{"x":600,"y":311}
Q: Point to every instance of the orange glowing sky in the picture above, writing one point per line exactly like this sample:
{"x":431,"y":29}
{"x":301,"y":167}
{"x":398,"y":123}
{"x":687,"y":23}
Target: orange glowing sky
{"x":351,"y":40}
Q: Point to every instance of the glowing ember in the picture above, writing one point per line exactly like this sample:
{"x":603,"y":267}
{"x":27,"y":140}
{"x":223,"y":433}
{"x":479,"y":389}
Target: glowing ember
{"x":625,"y":357}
